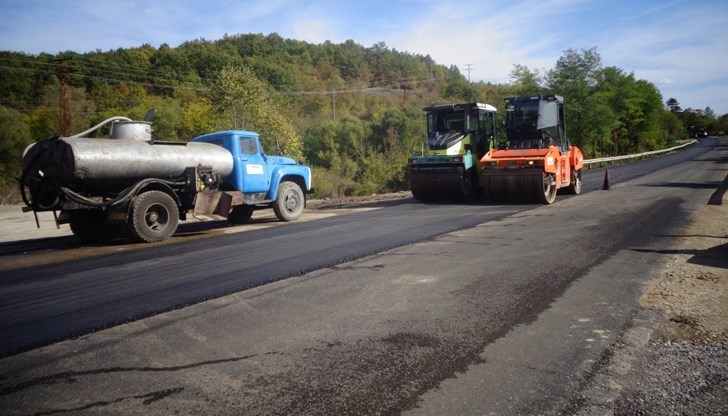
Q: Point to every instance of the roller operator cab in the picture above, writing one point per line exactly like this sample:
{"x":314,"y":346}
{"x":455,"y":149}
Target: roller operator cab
{"x":458,"y":135}
{"x":537,"y":159}
{"x":128,"y":185}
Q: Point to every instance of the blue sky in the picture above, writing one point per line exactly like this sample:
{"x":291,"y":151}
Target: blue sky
{"x":680,"y":46}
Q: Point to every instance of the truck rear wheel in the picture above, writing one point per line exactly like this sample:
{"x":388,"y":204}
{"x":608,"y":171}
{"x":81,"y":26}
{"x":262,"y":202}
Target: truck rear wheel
{"x":154,"y":217}
{"x":290,"y":201}
{"x":91,"y":226}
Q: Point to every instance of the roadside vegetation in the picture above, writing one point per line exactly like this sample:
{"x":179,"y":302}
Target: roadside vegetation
{"x":354,"y":113}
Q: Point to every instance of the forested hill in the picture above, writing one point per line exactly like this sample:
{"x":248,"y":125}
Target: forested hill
{"x":353,"y":112}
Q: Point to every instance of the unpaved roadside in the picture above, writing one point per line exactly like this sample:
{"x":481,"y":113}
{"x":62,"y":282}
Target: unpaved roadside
{"x":673,"y":359}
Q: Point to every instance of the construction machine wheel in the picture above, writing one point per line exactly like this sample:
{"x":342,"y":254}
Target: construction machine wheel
{"x":467,"y":185}
{"x":91,"y":226}
{"x":520,"y":187}
{"x":441,"y":186}
{"x":290,"y":201}
{"x":494,"y":188}
{"x":574,"y":187}
{"x":546,"y":190}
{"x":154,"y":217}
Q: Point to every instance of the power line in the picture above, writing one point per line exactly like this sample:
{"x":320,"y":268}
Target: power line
{"x":469,"y":67}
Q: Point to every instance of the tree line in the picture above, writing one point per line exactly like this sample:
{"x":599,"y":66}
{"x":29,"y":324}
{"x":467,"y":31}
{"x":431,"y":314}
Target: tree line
{"x":354,"y":113}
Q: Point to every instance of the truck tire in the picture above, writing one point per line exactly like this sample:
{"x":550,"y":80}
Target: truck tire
{"x":240,"y":214}
{"x":290,"y":201}
{"x":154,"y":217}
{"x":91,"y":226}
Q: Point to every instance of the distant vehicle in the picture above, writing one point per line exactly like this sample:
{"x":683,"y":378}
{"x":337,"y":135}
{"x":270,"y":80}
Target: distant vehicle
{"x":698,"y":132}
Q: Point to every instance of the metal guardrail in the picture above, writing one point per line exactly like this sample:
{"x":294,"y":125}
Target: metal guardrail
{"x":604,"y":161}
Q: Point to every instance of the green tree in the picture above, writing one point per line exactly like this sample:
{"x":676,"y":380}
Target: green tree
{"x":169,"y":119}
{"x":673,"y":105}
{"x":672,"y":128}
{"x":199,"y":117}
{"x":603,"y":121}
{"x":14,"y":137}
{"x":458,"y":88}
{"x":574,"y":77}
{"x":239,"y":92}
{"x":525,"y":81}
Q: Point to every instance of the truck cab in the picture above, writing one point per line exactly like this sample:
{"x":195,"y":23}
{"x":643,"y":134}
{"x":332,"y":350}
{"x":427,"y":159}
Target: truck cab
{"x":258,"y":180}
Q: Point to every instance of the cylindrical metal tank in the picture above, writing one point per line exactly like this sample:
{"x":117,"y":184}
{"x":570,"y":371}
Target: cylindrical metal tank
{"x":131,"y":130}
{"x":106,"y":165}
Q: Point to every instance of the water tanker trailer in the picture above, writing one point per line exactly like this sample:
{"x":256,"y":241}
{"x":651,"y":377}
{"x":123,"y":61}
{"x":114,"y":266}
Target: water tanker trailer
{"x":133,"y":186}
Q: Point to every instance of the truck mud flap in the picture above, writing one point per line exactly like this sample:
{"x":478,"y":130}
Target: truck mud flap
{"x":216,"y":203}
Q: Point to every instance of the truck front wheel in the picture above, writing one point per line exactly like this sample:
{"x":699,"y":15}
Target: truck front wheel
{"x":154,"y":217}
{"x":288,"y":206}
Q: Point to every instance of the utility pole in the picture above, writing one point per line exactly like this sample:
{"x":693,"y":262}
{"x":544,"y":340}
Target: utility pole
{"x":469,"y":67}
{"x":63,"y":77}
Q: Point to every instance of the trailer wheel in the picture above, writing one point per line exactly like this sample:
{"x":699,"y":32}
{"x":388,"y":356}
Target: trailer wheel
{"x":574,"y":187}
{"x":290,"y":201}
{"x":240,"y":214}
{"x":154,"y":217}
{"x":91,"y":226}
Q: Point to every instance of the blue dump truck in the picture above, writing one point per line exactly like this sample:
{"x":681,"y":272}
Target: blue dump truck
{"x":129,"y":185}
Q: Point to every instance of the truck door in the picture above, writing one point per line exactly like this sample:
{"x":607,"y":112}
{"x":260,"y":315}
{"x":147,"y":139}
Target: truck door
{"x":255,"y":172}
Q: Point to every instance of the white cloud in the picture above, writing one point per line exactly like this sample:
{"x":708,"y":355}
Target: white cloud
{"x":665,"y":81}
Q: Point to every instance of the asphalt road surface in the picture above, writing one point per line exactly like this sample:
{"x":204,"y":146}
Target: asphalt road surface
{"x":410,"y":308}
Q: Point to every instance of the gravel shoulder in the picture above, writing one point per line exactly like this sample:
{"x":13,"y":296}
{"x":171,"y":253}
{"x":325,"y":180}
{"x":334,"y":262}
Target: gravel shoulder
{"x":673,"y":358}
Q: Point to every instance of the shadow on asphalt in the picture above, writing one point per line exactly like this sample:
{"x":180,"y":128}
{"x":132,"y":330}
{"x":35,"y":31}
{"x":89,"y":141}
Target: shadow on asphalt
{"x":716,"y":256}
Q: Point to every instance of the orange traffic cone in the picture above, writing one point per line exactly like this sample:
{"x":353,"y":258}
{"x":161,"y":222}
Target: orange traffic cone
{"x":606,"y":186}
